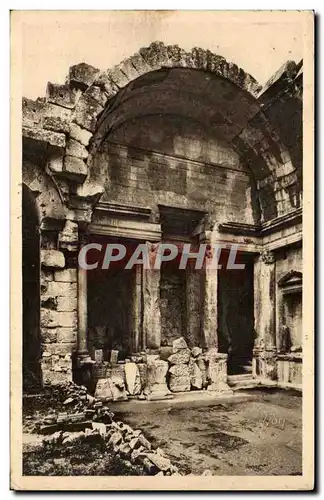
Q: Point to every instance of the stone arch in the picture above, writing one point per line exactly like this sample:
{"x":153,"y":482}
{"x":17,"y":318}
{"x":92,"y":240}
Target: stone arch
{"x":72,"y":115}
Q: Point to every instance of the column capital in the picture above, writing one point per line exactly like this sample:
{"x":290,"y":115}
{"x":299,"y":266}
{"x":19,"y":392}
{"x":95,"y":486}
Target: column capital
{"x":268,"y":257}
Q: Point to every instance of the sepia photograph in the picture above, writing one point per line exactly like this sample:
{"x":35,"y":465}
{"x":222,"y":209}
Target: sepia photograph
{"x":162,"y":205}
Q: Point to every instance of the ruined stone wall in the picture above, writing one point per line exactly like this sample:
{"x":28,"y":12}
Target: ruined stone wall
{"x":289,"y":308}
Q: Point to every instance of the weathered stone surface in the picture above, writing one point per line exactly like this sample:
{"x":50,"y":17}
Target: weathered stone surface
{"x":156,"y":379}
{"x":86,"y":112}
{"x":66,"y":275}
{"x":62,"y":95}
{"x":196,"y":351}
{"x":80,"y":134}
{"x":116,"y":438}
{"x":66,"y":303}
{"x":151,"y":309}
{"x":202,"y":365}
{"x":133,"y":381}
{"x":56,"y":118}
{"x":69,"y":237}
{"x":32,"y":113}
{"x":90,"y":190}
{"x":103,"y":390}
{"x":144,"y":442}
{"x":46,"y":136}
{"x":180,"y":357}
{"x":55,"y":162}
{"x":104,"y":82}
{"x":82,"y":75}
{"x":114,"y":357}
{"x":179,"y":344}
{"x":196,"y":378}
{"x":75,"y":168}
{"x":217,"y":372}
{"x":98,"y":355}
{"x":100,"y":427}
{"x":117,"y":387}
{"x":52,"y":319}
{"x":48,"y":335}
{"x":98,"y":94}
{"x":165,"y":352}
{"x":161,"y":462}
{"x":75,"y":148}
{"x":54,"y":289}
{"x":66,"y":335}
{"x":53,"y":259}
{"x":179,"y":380}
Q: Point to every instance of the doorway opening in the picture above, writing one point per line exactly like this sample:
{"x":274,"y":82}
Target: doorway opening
{"x":236,"y":315}
{"x":111,"y":295}
{"x":32,"y":377}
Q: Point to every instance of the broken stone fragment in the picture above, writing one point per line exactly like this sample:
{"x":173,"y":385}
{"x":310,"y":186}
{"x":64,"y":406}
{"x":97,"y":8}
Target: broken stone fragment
{"x":134,"y":443}
{"x":136,"y":453}
{"x":116,"y":439}
{"x":114,"y":357}
{"x":165,"y":352}
{"x":117,"y":387}
{"x":101,"y":428}
{"x":149,"y":467}
{"x":196,"y":351}
{"x":82,"y":75}
{"x":144,"y":442}
{"x":80,"y":134}
{"x":86,"y":112}
{"x":180,"y":357}
{"x":196,"y":378}
{"x":46,"y":136}
{"x":62,"y":95}
{"x":133,"y":381}
{"x":103,"y":390}
{"x":156,"y":379}
{"x":53,"y":438}
{"x":69,"y":237}
{"x":125,"y":450}
{"x":75,"y":168}
{"x":179,"y":380}
{"x":75,"y":148}
{"x":201,"y":363}
{"x":179,"y":344}
{"x":161,"y":462}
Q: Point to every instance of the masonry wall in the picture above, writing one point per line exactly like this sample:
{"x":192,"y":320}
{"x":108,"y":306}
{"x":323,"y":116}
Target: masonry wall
{"x":163,"y":162}
{"x":289,"y":310}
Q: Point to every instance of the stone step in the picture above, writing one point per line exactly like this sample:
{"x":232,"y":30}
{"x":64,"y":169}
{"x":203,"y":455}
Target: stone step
{"x":239,"y":377}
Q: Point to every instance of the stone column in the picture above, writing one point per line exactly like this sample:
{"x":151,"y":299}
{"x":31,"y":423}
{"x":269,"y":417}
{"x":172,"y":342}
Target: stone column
{"x":137,"y":309}
{"x":265,"y":316}
{"x":209,"y":306}
{"x":82,"y":350}
{"x":193,"y":304}
{"x":151,"y":303}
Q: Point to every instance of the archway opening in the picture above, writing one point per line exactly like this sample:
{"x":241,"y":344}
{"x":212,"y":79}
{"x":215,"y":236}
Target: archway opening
{"x":32,"y":379}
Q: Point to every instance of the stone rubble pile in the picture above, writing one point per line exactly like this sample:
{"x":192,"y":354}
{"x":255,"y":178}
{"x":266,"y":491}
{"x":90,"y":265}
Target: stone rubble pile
{"x":95,"y":422}
{"x":74,"y":409}
{"x":156,"y":375}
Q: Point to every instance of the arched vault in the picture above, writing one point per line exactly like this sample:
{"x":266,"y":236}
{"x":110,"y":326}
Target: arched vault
{"x":75,"y":118}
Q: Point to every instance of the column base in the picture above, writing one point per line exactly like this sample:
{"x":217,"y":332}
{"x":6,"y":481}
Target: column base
{"x":217,"y":373}
{"x":264,"y":363}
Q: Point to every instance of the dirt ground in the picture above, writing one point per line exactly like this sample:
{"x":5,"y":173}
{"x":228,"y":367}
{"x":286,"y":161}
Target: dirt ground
{"x":261,"y":435}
